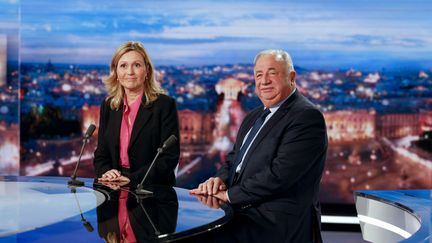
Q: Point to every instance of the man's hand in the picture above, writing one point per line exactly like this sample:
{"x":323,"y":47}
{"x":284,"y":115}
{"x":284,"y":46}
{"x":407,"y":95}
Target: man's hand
{"x":210,"y":187}
{"x":210,"y":201}
{"x":222,"y":196}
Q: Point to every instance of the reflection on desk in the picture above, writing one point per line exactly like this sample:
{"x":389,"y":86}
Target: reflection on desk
{"x":246,"y":225}
{"x":126,"y":216}
{"x":44,"y":209}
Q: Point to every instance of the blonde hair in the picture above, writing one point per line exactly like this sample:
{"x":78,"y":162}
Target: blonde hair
{"x":152,"y":88}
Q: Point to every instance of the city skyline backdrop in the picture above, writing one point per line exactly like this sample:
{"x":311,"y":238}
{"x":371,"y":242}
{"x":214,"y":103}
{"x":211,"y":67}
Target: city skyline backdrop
{"x":366,"y":65}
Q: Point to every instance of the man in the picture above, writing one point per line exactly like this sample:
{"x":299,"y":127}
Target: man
{"x":277,"y":161}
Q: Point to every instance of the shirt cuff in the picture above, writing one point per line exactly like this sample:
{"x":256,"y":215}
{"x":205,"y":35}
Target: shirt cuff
{"x":226,"y":193}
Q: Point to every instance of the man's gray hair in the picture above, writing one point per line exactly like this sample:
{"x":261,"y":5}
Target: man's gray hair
{"x":279,"y":55}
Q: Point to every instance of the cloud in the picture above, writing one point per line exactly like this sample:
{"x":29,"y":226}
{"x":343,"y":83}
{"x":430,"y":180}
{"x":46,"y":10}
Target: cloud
{"x":93,"y":24}
{"x":83,"y":55}
{"x":383,"y":41}
{"x":47,"y":27}
{"x":115,"y":24}
{"x":9,"y":25}
{"x":315,"y":34}
{"x":44,"y":27}
{"x":194,"y":30}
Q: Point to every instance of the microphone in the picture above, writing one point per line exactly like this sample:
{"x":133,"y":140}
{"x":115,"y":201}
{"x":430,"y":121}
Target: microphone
{"x":86,"y":223}
{"x":169,"y":142}
{"x":87,"y":135}
{"x":90,"y":131}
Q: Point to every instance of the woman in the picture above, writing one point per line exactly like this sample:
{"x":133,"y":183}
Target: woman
{"x":135,"y":119}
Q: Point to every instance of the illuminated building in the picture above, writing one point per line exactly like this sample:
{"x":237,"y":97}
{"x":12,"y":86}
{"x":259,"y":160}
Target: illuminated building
{"x":196,"y":134}
{"x":423,"y":74}
{"x":425,"y":118}
{"x":398,"y":125}
{"x":90,"y":115}
{"x":230,"y":88}
{"x":372,"y":78}
{"x":195,"y":127}
{"x":229,"y":113}
{"x":353,"y":73}
{"x":207,"y":133}
{"x":9,"y":149}
{"x":349,"y":126}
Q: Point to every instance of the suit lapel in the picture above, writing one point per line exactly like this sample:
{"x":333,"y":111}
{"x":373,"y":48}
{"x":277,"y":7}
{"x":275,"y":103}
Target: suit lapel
{"x":143,"y":116}
{"x":280,"y":113}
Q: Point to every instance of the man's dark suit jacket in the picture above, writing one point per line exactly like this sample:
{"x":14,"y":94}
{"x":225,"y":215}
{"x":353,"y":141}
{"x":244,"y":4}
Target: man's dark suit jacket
{"x":280,"y":176}
{"x":154,"y":123}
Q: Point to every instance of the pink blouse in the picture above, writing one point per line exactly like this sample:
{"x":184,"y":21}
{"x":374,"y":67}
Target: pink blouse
{"x":126,"y":231}
{"x":128,"y":119}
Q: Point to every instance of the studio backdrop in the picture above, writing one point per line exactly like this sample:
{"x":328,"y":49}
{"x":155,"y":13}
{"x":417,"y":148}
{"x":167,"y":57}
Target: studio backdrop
{"x":366,"y":64}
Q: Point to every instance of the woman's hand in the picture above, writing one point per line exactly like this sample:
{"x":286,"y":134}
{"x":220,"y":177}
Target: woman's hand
{"x":113,"y":175}
{"x":115,"y":185}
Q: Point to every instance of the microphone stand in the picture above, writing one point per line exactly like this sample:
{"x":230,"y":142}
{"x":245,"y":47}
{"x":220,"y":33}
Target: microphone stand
{"x":139,"y":201}
{"x":73,"y":181}
{"x":140,"y":191}
{"x":145,"y":193}
{"x":86,"y":223}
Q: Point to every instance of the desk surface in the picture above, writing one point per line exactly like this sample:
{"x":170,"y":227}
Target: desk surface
{"x":395,"y":215}
{"x":45,"y":209}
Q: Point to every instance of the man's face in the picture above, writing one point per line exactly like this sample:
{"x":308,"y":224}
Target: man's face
{"x":273,"y":83}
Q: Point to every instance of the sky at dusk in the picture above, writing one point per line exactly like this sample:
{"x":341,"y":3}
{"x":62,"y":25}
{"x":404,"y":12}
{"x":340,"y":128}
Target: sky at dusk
{"x":318,"y":33}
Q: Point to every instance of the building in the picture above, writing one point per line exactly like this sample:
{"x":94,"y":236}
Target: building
{"x":9,"y":149}
{"x":350,"y":126}
{"x":398,"y":125}
{"x":195,"y":127}
{"x":425,"y":119}
{"x":196,"y":134}
{"x":89,"y":115}
{"x":230,"y":88}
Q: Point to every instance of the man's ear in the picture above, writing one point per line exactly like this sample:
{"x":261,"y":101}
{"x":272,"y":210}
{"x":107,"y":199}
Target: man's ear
{"x":292,"y":77}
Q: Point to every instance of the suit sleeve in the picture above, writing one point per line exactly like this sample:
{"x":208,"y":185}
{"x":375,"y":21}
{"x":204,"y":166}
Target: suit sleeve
{"x":302,"y":145}
{"x":102,"y":158}
{"x":169,"y":159}
{"x":224,"y":171}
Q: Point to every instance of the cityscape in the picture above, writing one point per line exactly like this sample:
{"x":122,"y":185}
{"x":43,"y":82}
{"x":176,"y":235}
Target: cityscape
{"x":373,"y":82}
{"x":373,"y":119}
{"x":9,"y":112}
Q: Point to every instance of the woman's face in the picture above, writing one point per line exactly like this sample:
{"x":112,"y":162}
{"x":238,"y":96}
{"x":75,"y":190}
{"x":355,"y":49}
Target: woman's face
{"x":132,"y":71}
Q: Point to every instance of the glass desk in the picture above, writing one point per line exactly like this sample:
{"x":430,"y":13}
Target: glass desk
{"x":395,"y":215}
{"x":46,"y":209}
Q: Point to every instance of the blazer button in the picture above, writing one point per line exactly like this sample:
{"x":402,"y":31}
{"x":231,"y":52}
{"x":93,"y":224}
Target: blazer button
{"x":246,"y":206}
